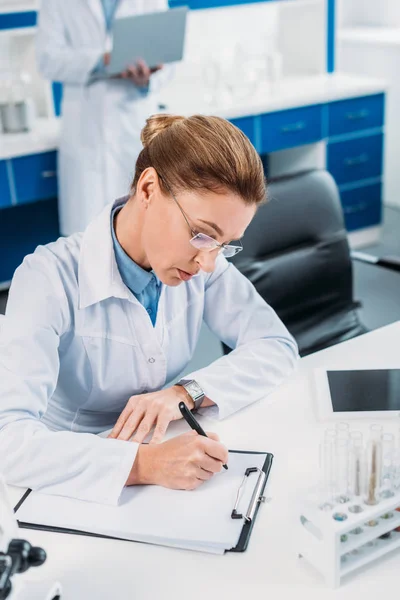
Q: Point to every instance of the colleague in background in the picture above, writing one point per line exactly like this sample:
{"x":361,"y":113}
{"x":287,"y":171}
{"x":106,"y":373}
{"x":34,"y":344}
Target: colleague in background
{"x":101,"y":119}
{"x":97,"y":324}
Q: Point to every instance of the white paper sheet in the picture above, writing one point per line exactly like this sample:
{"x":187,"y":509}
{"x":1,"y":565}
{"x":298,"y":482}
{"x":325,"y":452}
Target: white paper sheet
{"x":198,"y":520}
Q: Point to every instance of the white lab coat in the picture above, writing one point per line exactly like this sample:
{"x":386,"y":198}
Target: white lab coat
{"x":76,"y":344}
{"x":101,"y":122}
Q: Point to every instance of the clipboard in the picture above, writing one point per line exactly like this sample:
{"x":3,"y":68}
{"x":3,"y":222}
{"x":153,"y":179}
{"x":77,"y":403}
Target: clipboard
{"x":257,"y":499}
{"x":247,"y":513}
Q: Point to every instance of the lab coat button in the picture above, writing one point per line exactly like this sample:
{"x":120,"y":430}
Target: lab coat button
{"x":152,"y":360}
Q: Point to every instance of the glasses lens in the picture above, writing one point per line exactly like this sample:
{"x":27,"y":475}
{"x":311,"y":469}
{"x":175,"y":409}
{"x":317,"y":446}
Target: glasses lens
{"x":203,"y":242}
{"x":230,"y":251}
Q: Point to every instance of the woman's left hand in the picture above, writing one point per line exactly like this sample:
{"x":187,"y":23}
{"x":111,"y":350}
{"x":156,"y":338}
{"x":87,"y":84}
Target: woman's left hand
{"x":145,"y":410}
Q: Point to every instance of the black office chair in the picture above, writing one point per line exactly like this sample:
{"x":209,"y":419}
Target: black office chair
{"x":297,"y":256}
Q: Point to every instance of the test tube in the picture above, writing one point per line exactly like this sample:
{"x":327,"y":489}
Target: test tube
{"x":356,"y":470}
{"x":342,"y":430}
{"x":387,"y":484}
{"x":373,"y":465}
{"x":396,"y":469}
{"x":342,"y":470}
{"x":326,"y":454}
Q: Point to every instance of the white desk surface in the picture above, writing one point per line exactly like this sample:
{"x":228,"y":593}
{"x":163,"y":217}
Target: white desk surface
{"x":286,"y":93}
{"x":104,"y":569}
{"x":189,"y":99}
{"x":43,"y":137}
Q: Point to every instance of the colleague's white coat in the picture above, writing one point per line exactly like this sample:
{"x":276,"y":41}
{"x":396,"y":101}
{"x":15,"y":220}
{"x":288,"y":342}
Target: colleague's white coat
{"x":76,"y":344}
{"x":101,"y":123}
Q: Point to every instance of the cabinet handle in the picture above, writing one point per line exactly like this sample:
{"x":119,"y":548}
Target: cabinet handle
{"x":357,"y":160}
{"x":48,"y":174}
{"x":355,"y":208}
{"x":356,"y":116}
{"x":293,"y":127}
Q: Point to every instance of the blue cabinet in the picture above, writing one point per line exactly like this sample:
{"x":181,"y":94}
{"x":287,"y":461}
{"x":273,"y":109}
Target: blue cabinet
{"x":247,"y":125}
{"x":362,"y":206}
{"x":15,"y":20}
{"x":290,"y":128}
{"x":5,"y":195}
{"x":35,"y":177}
{"x":356,"y":159}
{"x":348,"y":116}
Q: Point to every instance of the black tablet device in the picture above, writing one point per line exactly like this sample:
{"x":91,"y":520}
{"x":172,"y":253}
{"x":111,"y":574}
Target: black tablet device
{"x":357,"y":393}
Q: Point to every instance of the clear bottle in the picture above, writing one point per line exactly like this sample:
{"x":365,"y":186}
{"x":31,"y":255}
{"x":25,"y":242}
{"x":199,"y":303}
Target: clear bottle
{"x":373,"y":465}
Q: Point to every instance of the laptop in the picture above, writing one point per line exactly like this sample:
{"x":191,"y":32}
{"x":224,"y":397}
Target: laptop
{"x":156,"y":38}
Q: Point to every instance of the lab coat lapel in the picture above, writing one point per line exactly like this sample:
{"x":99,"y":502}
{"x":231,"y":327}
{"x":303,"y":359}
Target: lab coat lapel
{"x":98,"y":273}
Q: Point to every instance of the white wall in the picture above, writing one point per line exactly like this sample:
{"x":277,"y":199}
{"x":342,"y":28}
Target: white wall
{"x":381,"y":13}
{"x":297,"y":29}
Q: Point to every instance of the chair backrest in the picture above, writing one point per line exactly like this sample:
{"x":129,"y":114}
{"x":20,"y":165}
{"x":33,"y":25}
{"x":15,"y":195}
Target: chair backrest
{"x":296,"y":254}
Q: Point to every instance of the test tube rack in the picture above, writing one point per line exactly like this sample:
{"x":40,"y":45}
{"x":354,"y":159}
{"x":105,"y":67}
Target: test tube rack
{"x":337,"y":548}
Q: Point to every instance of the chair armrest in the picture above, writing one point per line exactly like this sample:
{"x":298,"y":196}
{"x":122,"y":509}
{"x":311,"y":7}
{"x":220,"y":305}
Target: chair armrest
{"x":387,"y":262}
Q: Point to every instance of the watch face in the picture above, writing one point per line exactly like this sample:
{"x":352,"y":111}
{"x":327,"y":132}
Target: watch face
{"x":194,"y":389}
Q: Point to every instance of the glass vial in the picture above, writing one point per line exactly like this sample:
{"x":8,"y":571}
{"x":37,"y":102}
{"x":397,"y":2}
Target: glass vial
{"x":356,"y":471}
{"x":326,"y":465}
{"x":387,"y":482}
{"x":342,"y":470}
{"x":373,"y":465}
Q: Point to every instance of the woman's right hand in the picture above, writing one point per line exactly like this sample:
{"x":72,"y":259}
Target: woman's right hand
{"x":182,"y":463}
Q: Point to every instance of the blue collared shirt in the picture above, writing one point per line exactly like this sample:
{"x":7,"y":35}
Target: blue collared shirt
{"x":144,"y":285}
{"x":109,"y":9}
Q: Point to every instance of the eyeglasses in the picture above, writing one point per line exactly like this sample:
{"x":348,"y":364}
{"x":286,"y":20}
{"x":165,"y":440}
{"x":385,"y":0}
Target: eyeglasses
{"x":201,"y":241}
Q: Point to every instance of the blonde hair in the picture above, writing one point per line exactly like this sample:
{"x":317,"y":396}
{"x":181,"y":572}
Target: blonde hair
{"x":201,"y":152}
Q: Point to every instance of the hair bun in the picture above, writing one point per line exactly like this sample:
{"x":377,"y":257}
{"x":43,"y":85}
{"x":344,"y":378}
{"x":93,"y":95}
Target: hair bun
{"x":157,"y":123}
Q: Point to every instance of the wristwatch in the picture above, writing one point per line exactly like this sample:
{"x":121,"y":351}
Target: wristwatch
{"x":194,"y":391}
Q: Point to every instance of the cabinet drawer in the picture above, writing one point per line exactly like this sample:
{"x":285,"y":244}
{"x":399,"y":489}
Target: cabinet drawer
{"x":362,"y":207}
{"x":5,"y":196}
{"x":245,"y":124}
{"x":35,"y":177}
{"x":290,"y":128}
{"x":356,"y":114}
{"x":356,"y":159}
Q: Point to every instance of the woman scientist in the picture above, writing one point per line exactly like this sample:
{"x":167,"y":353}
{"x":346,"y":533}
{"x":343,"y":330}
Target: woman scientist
{"x":102,"y":118}
{"x":97,"y":323}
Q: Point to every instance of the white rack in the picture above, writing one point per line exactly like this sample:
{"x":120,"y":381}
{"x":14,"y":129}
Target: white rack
{"x":333,"y":548}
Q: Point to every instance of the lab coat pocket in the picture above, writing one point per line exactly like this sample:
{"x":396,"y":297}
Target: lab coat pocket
{"x":117,"y":372}
{"x":94,"y":421}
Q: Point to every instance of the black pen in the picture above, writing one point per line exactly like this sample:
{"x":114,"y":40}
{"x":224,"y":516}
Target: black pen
{"x":191,"y":421}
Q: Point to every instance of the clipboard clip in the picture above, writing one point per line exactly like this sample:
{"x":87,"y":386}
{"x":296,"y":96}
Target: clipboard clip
{"x":255,"y":498}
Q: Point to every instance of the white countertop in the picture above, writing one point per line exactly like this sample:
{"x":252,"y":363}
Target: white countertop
{"x":13,"y":6}
{"x":285,"y":94}
{"x":187,"y":100}
{"x":286,"y":425}
{"x":380,"y":36}
{"x":42,"y":138}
